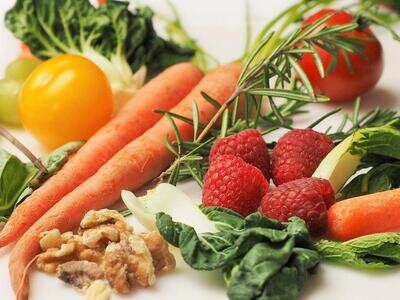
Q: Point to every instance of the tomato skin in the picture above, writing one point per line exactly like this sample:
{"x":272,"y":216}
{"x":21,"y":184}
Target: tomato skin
{"x":66,"y":98}
{"x":343,"y":84}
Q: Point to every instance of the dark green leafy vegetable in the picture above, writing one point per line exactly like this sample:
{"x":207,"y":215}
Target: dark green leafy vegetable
{"x":374,"y":251}
{"x":260,"y":258}
{"x":381,"y":178}
{"x":18,"y":179}
{"x":379,"y":148}
{"x":118,"y":40}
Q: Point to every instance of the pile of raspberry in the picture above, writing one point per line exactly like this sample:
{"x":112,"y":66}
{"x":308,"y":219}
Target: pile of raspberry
{"x":241,"y":168}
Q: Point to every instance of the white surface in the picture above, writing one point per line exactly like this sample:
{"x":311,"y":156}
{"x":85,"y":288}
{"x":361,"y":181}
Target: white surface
{"x":219,"y":26}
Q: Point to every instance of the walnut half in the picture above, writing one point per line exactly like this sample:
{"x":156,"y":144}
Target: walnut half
{"x":163,"y":260}
{"x":128,"y":262}
{"x":80,"y":273}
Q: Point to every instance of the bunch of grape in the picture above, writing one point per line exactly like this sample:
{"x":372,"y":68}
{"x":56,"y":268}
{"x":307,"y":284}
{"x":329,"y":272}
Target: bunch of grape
{"x":15,"y":75}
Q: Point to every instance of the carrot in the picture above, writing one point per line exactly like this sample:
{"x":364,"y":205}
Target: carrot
{"x":137,"y":163}
{"x":373,"y":213}
{"x":163,"y":92}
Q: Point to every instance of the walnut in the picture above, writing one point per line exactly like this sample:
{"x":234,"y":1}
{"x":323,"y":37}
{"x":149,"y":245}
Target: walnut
{"x":50,"y":239}
{"x":163,"y":260}
{"x":91,"y":255}
{"x":80,"y":274}
{"x":95,"y":218}
{"x":128,"y":262}
{"x":98,"y":228}
{"x":99,"y":236}
{"x":48,"y":261}
{"x":98,"y":290}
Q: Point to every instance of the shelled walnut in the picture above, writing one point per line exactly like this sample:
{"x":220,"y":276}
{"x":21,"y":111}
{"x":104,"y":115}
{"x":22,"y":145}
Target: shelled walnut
{"x":105,"y":247}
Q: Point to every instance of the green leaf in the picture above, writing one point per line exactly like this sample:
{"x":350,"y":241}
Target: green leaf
{"x":288,"y":94}
{"x":373,"y":251}
{"x":257,"y":255}
{"x":383,"y":177}
{"x":18,"y":180}
{"x":14,"y":178}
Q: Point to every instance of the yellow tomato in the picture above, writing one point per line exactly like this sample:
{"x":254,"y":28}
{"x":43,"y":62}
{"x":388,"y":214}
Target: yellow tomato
{"x":66,"y":98}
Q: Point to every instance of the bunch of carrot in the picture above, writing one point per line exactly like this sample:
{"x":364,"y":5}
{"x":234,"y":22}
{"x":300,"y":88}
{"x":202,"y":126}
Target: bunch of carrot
{"x":125,"y":154}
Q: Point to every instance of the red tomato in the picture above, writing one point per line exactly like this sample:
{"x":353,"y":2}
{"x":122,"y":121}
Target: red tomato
{"x":343,"y":84}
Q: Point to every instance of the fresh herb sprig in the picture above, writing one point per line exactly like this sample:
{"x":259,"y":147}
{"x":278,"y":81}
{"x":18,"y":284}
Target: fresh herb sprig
{"x":268,"y":77}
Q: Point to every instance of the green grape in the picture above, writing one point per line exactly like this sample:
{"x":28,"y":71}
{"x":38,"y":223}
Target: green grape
{"x":20,"y":68}
{"x":9,"y":111}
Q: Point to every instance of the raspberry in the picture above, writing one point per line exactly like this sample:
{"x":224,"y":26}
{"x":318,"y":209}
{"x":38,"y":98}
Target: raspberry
{"x":248,"y":145}
{"x":307,"y":198}
{"x":298,"y":154}
{"x":232,"y":183}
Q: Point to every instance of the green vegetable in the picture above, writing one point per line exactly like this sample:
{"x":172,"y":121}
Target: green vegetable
{"x":18,"y":179}
{"x":260,"y":258}
{"x":117,"y":40}
{"x":383,"y":177}
{"x":374,"y":251}
{"x":344,"y":160}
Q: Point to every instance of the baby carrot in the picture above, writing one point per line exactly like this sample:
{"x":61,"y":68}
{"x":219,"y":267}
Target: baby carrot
{"x":373,"y":213}
{"x":137,"y":163}
{"x":163,"y":92}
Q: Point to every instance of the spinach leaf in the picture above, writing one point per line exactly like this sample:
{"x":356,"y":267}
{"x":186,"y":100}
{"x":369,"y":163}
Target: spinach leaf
{"x":373,"y":251}
{"x":18,"y":179}
{"x":117,"y":40}
{"x":260,"y":258}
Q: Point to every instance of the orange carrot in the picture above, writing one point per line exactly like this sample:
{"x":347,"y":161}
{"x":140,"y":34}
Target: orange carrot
{"x":137,"y":163}
{"x":163,"y":92}
{"x":373,"y":213}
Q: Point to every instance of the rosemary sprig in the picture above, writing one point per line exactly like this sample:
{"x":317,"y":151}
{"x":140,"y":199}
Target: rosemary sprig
{"x":354,"y":121}
{"x":271,"y":73}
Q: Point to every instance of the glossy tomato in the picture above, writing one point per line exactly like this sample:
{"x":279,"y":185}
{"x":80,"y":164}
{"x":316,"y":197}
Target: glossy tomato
{"x":66,"y":98}
{"x":342,"y":83}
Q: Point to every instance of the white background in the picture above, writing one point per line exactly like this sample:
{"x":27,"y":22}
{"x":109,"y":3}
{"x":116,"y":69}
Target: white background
{"x":219,"y":26}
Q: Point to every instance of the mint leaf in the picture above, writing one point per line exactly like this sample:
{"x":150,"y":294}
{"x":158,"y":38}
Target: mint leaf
{"x":372,"y":251}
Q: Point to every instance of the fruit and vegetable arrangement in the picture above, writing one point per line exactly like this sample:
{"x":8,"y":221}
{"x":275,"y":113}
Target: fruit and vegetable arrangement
{"x":121,"y":109}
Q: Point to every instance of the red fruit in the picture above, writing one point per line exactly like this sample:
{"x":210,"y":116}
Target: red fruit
{"x":298,"y":154}
{"x":306,"y":198}
{"x":248,"y":145}
{"x":343,"y":83}
{"x":232,"y":183}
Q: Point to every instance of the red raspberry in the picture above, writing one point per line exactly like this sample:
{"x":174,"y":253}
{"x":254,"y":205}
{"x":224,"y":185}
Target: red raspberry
{"x":298,"y":154}
{"x":307,"y":198}
{"x":248,"y":145}
{"x":234,"y":184}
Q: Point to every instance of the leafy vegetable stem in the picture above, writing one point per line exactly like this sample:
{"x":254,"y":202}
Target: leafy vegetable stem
{"x":38,"y":164}
{"x":219,"y":113}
